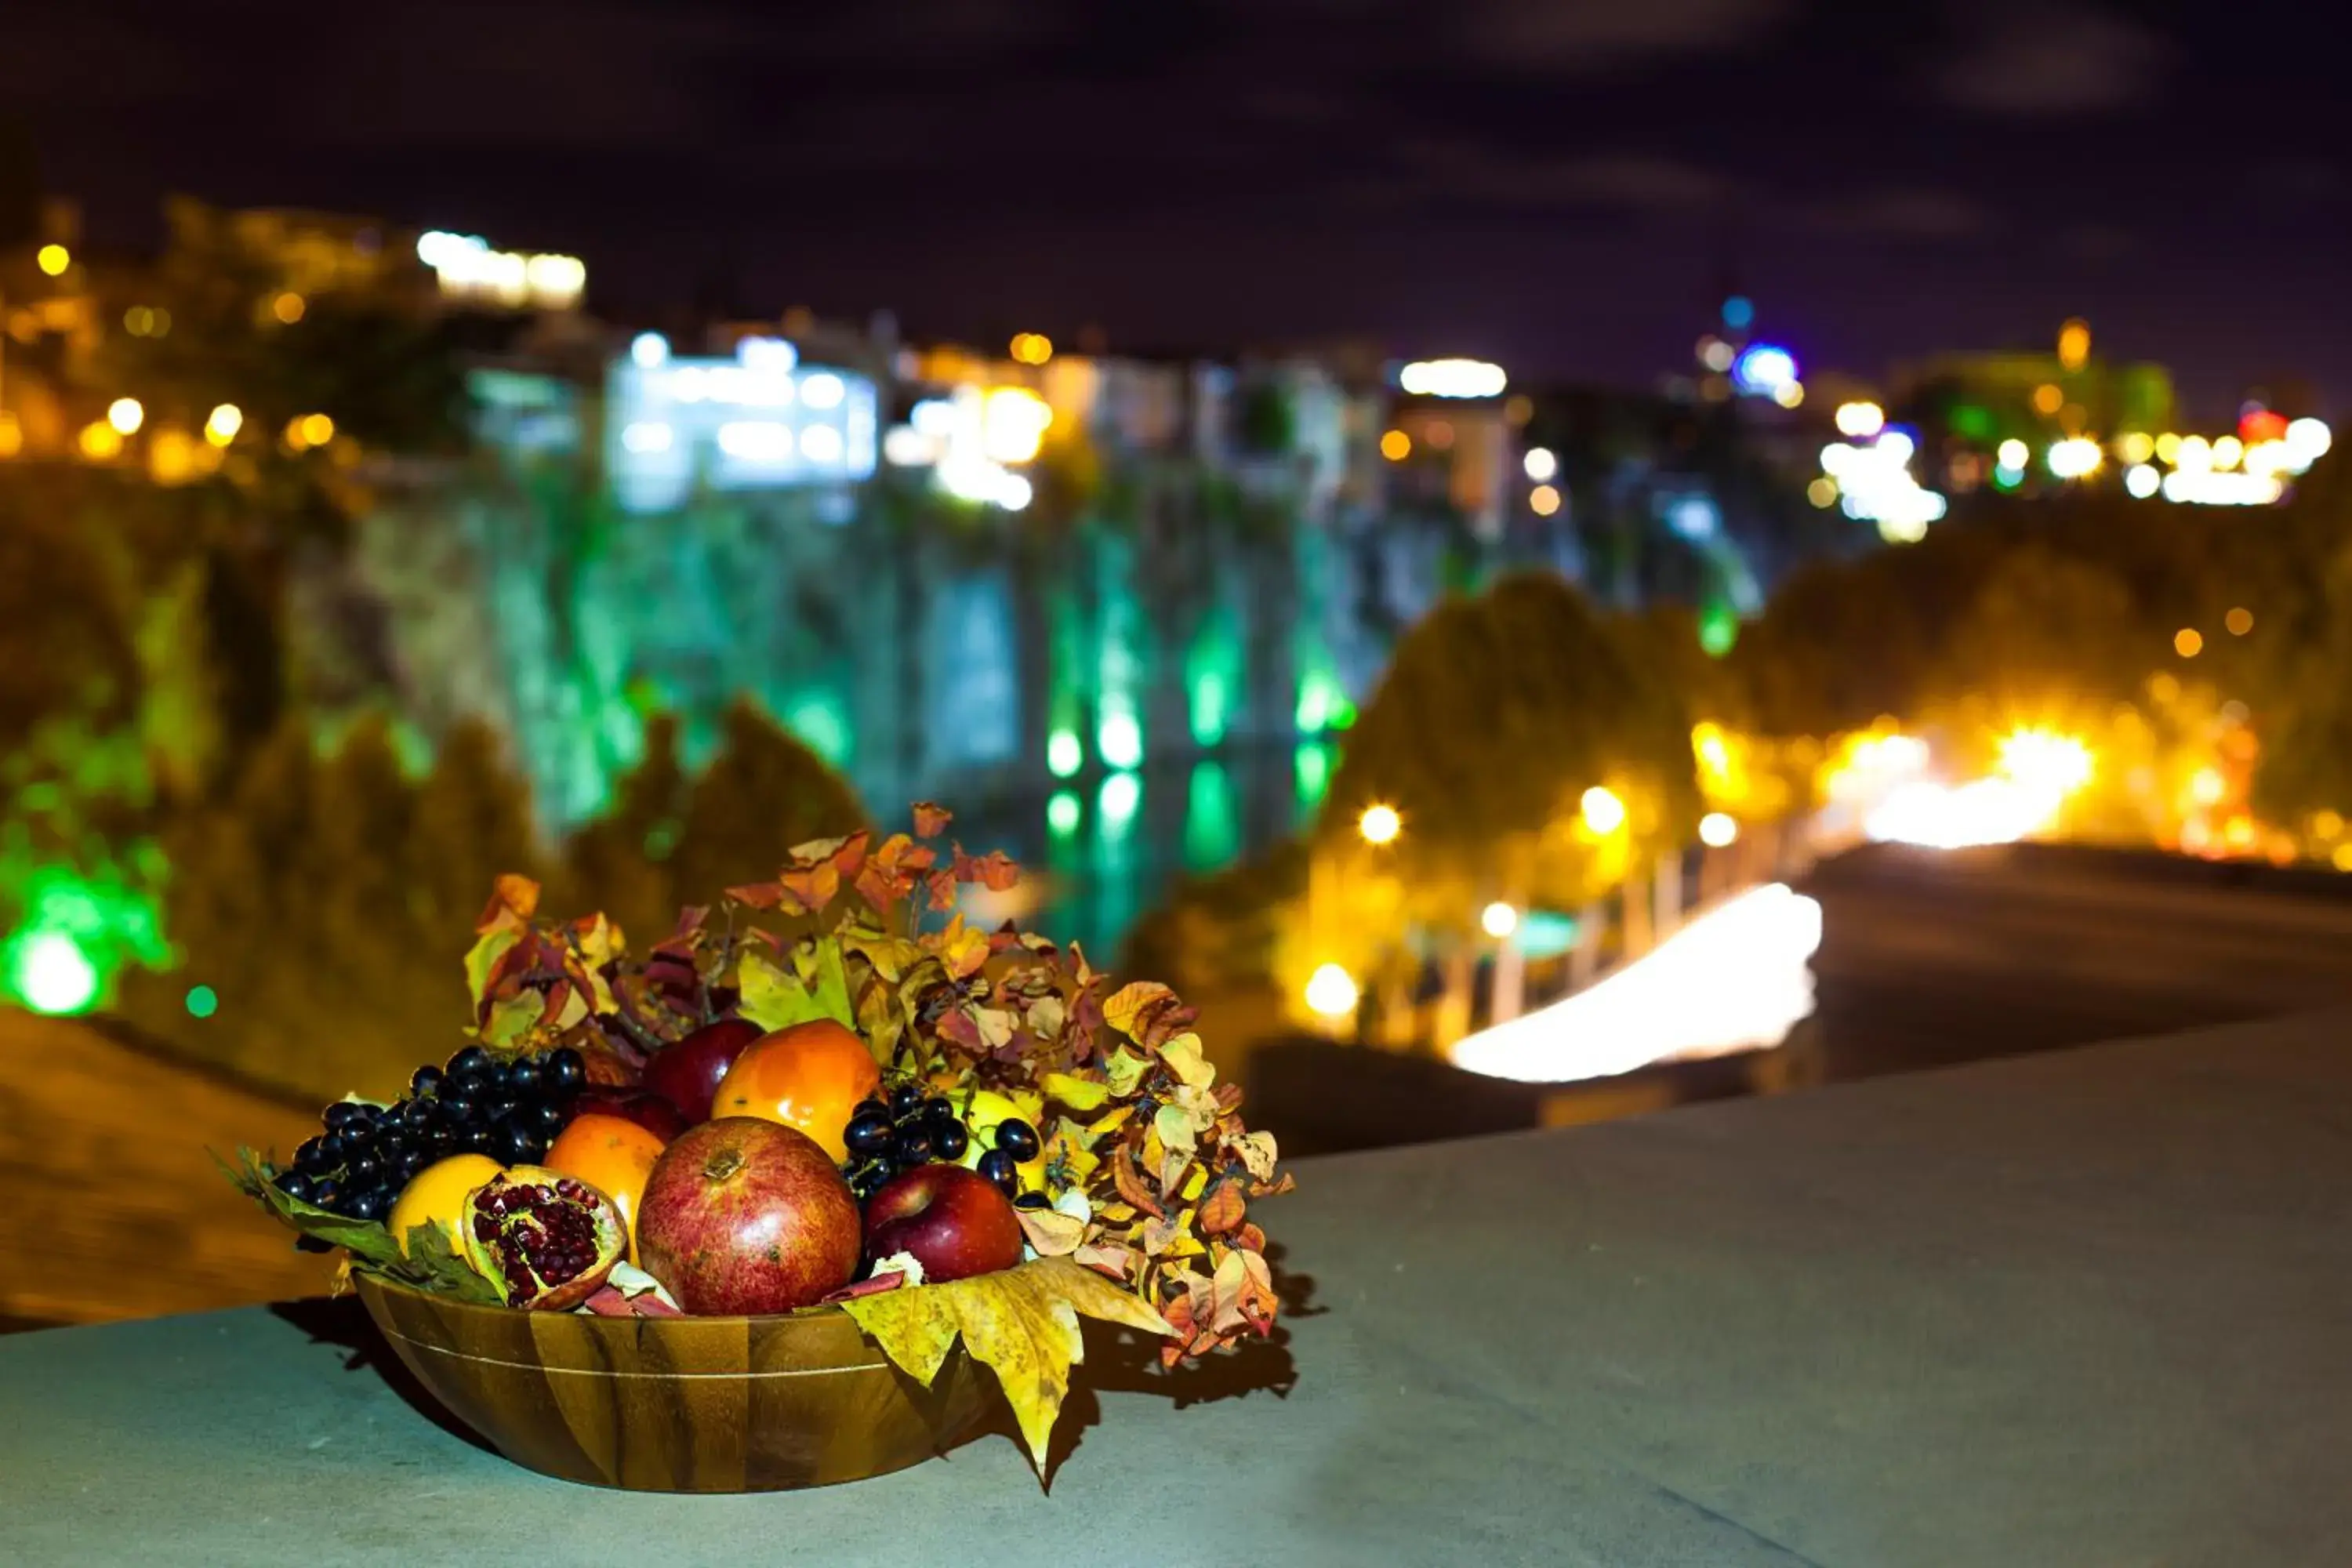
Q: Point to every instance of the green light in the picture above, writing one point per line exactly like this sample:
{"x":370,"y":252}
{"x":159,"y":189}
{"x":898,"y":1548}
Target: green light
{"x":819,"y":720}
{"x":1062,"y":813}
{"x":1212,"y":820}
{"x":203,"y":1002}
{"x":1065,"y":753}
{"x":1311,"y":765}
{"x":1121,"y":794}
{"x":1314,"y":702}
{"x":1718,"y":629}
{"x":1209,"y":708}
{"x":48,"y":973}
{"x":1119,"y":738}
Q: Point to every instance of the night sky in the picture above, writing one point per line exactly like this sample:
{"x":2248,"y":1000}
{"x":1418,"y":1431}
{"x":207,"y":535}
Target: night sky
{"x":1561,"y":187}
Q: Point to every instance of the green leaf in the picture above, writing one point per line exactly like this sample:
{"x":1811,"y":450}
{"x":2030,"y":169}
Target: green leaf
{"x":513,"y":1018}
{"x":364,"y":1240}
{"x":775,"y":997}
{"x":434,"y":1264}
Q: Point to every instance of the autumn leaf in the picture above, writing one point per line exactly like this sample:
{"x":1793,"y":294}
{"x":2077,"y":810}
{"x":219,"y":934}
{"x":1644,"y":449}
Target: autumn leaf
{"x":514,"y":899}
{"x":1256,"y":1150}
{"x":1021,"y":1323}
{"x":959,"y":947}
{"x":994,"y":870}
{"x":931,"y":819}
{"x":1182,"y":1055}
{"x":1127,"y":1008}
{"x":1223,"y":1209}
{"x":482,"y":958}
{"x":775,"y":997}
{"x":1077,"y":1093}
{"x":1050,"y":1232}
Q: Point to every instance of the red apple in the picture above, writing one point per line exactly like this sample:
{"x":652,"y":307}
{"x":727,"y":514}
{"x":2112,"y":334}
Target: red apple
{"x":951,"y":1221}
{"x":743,"y":1216}
{"x":652,"y":1112}
{"x":688,"y":1072}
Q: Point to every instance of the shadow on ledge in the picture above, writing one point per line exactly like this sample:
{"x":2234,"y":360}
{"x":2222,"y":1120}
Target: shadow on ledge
{"x":341,"y":1321}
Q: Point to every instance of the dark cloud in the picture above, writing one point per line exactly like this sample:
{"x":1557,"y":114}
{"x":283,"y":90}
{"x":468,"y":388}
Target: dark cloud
{"x":2044,"y":59}
{"x":1568,"y":37}
{"x":1903,"y":213}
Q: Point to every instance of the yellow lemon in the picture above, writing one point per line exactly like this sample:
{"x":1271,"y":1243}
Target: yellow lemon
{"x":436,"y":1195}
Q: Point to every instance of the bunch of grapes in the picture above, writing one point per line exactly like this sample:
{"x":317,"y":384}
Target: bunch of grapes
{"x":886,"y":1137}
{"x":509,"y":1110}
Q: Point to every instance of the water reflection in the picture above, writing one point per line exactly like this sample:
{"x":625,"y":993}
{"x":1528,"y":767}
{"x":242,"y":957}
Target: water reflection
{"x":1106,"y":849}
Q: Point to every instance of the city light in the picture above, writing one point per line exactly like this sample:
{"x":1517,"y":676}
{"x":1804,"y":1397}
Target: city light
{"x":99,"y":442}
{"x":1718,"y":829}
{"x":2307,"y":440}
{"x":2168,"y":447}
{"x":2194,"y":452}
{"x":1823,"y":491}
{"x":2187,"y":642}
{"x":1544,"y":500}
{"x":1876,"y":484}
{"x":649,"y":350}
{"x":1065,"y":753}
{"x":1396,"y":445}
{"x":2048,"y":398}
{"x":222,"y":424}
{"x":2142,"y":480}
{"x":1717,"y":354}
{"x":2075,"y":344}
{"x":1542,"y":465}
{"x":1119,"y":739}
{"x":2240,"y":621}
{"x":1763,"y":369}
{"x":1860,"y":419}
{"x":49,"y":972}
{"x":1380,"y":824}
{"x":753,"y":421}
{"x":126,"y":414}
{"x":1789,"y":394}
{"x":466,"y":268}
{"x":1032,"y":348}
{"x":2046,"y":760}
{"x":2135,"y":447}
{"x":1734,"y":978}
{"x":1331,"y":992}
{"x":289,"y":308}
{"x":1603,"y":812}
{"x":2076,"y":457}
{"x":1499,"y":920}
{"x":2199,"y":487}
{"x":647,"y":436}
{"x":53,"y":260}
{"x":1013,"y":424}
{"x":1960,"y":816}
{"x":1062,"y":813}
{"x":2012,"y":454}
{"x":1452,"y":378}
{"x":315,"y":429}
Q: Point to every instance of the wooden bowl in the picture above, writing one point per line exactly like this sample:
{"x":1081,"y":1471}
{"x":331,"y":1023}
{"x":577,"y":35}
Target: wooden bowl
{"x":678,"y":1405}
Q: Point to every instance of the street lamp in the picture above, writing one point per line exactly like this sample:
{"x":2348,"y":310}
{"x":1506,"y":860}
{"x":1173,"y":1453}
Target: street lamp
{"x":1380,"y":824}
{"x":1331,"y":991}
{"x":1500,"y":919}
{"x":1603,"y":811}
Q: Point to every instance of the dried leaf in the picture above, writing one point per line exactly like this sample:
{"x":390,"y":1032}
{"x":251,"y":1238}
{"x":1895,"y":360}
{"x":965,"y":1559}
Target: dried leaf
{"x":808,"y":892}
{"x":1182,"y":1055}
{"x":817,"y":986}
{"x":931,"y":819}
{"x":1124,"y":1072}
{"x":514,"y":899}
{"x":1130,"y":1008}
{"x":962,"y":949}
{"x":1224,"y":1208}
{"x":1052,"y":1233}
{"x":1131,"y":1186}
{"x":994,"y":870}
{"x":1022,"y":1324}
{"x":1175,"y":1128}
{"x":1256,"y":1150}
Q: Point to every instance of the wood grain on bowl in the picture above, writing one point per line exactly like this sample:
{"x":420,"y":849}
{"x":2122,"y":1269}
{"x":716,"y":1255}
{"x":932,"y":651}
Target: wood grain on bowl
{"x":706,"y":1405}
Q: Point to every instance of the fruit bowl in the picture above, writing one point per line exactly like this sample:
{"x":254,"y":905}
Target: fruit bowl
{"x":678,"y":1405}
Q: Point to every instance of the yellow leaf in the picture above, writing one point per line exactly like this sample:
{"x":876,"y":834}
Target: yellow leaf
{"x":1175,"y":1128}
{"x":1195,"y":1182}
{"x":1257,"y":1151}
{"x":1184,"y":1058}
{"x":1052,"y":1233}
{"x":1046,"y":1017}
{"x":1125,"y":1070}
{"x":1126,"y":1007}
{"x":1022,"y":1324}
{"x":1077,"y":1093}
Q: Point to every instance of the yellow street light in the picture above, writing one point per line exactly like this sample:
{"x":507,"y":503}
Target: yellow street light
{"x":289,"y":307}
{"x":1396,"y":445}
{"x":2075,"y":344}
{"x":2240,"y":621}
{"x":125,"y":414}
{"x":1331,"y":992}
{"x":100,"y":441}
{"x":2187,"y":642}
{"x":309,"y":430}
{"x":1718,"y":829}
{"x":1499,"y":920}
{"x":1544,"y":500}
{"x":227,"y":420}
{"x":1380,"y":824}
{"x":1603,"y":811}
{"x":1859,"y":419}
{"x":53,"y":260}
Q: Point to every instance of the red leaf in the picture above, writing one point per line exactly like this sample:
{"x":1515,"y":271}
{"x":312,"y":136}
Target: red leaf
{"x":758,"y":895}
{"x":943,"y":890}
{"x":1223,"y":1209}
{"x":513,"y":900}
{"x":689,"y":922}
{"x":994,"y":870}
{"x":1130,"y":1185}
{"x":931,"y":819}
{"x":812,"y":889}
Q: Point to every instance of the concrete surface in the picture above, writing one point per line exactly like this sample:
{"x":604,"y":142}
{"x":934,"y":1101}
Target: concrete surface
{"x":2083,"y":1308}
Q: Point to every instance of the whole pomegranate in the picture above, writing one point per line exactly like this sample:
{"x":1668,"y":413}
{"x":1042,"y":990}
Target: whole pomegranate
{"x":742,"y":1215}
{"x":688,"y":1072}
{"x":546,"y":1241}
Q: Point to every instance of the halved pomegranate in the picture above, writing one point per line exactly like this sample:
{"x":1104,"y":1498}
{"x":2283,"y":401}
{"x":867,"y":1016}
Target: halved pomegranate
{"x":547,"y":1241}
